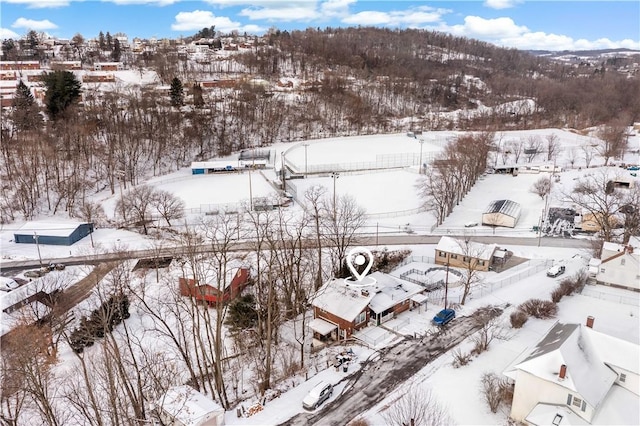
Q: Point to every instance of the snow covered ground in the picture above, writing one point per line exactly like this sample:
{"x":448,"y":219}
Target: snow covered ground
{"x":385,"y":194}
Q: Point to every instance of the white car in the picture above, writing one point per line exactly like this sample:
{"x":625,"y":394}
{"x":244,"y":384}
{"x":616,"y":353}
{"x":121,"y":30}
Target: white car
{"x":7,"y":284}
{"x":470,"y":224}
{"x":556,"y":270}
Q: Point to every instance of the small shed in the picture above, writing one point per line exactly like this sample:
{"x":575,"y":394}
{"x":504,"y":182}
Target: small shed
{"x":52,"y":233}
{"x":502,"y":213}
{"x":185,"y":406}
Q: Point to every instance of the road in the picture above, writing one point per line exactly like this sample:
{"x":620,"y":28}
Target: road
{"x":376,"y":380}
{"x":368,"y":240}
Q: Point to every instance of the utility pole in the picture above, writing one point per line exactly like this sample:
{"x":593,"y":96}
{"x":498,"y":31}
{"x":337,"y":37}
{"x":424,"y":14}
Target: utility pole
{"x":334,"y":175}
{"x":420,"y":165}
{"x":35,"y":237}
{"x":306,"y":145}
{"x":250,"y":193}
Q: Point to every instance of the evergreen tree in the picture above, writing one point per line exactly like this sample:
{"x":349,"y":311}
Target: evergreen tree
{"x":176,"y":92}
{"x":9,"y":51}
{"x":25,"y":114}
{"x":101,"y":41}
{"x":63,"y":90}
{"x":109,"y":41}
{"x":116,"y":52}
{"x":198,"y":100}
{"x":242,"y":313}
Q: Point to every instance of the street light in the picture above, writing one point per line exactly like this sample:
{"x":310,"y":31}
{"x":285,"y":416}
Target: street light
{"x":306,"y":145}
{"x":35,"y":237}
{"x":420,"y":164}
{"x":334,"y":176}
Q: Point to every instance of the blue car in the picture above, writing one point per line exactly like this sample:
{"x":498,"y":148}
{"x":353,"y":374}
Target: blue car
{"x":444,"y":316}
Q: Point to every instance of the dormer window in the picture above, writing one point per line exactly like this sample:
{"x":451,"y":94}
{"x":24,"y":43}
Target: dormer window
{"x":556,"y":420}
{"x":623,"y":377}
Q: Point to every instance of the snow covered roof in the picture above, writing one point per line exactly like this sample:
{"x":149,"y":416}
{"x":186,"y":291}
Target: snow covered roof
{"x":56,"y":229}
{"x":546,"y":414}
{"x":471,"y":248}
{"x":321,"y":326}
{"x":391,"y":291}
{"x":345,"y":302}
{"x":583,"y":355}
{"x":189,"y":407}
{"x":506,"y":207}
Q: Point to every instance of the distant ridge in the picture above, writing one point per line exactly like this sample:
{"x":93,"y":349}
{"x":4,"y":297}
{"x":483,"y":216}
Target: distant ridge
{"x":595,"y":52}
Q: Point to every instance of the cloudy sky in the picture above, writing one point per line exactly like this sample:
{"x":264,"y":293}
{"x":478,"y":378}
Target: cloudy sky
{"x":522,"y":24}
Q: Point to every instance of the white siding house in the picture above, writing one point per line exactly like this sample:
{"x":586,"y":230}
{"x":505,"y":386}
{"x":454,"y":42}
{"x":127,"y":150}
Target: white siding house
{"x":580,"y":375}
{"x":620,"y":265}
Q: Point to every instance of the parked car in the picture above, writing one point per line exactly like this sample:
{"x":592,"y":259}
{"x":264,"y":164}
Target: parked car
{"x":633,"y":168}
{"x":35,"y":273}
{"x":444,"y":316}
{"x":470,"y":224}
{"x":556,"y":270}
{"x":316,"y":396}
{"x":8,"y":284}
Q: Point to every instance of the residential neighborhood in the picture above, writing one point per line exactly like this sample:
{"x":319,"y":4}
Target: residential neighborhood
{"x":335,"y":212}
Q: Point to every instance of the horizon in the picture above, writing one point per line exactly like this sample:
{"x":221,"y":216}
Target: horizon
{"x":525,"y":25}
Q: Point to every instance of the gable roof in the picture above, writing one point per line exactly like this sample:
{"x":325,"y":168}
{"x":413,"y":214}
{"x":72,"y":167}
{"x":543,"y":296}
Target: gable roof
{"x":567,"y":344}
{"x":188,"y":406}
{"x":506,"y":207}
{"x":346,"y":302}
{"x":470,"y":249}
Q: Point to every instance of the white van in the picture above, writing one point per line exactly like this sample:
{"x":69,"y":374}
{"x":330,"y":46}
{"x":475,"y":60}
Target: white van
{"x":8,"y":284}
{"x":319,"y":394}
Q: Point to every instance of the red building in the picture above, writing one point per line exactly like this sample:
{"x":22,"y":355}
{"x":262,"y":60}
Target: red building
{"x":211,"y":293}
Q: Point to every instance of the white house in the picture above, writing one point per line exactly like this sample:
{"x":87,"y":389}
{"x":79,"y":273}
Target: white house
{"x":620,"y":265}
{"x":185,"y":406}
{"x":577,"y":375}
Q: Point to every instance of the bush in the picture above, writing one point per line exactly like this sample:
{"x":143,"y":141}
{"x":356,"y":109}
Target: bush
{"x":102,"y":320}
{"x":556,"y":295}
{"x":460,"y":358}
{"x":541,"y":309}
{"x":518,"y":318}
{"x":496,"y":391}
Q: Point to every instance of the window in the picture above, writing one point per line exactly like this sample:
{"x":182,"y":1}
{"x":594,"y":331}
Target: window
{"x":454,"y":256}
{"x":622,"y":261}
{"x":362,"y":317}
{"x":569,"y":399}
{"x":465,"y":259}
{"x":481,"y":262}
{"x":623,"y":377}
{"x":602,"y":270}
{"x":577,"y":402}
{"x":442,"y":254}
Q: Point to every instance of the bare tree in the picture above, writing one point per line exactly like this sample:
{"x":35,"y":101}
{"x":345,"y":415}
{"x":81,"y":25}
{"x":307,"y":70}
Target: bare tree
{"x":613,"y":141}
{"x":314,"y":197}
{"x":168,"y":205}
{"x":542,"y":186}
{"x":596,"y":194}
{"x":587,"y":154}
{"x":532,"y":148}
{"x":472,"y":256}
{"x":490,"y":329}
{"x":553,"y":146}
{"x":416,"y":406}
{"x":572,"y":156}
{"x":340,"y":227}
{"x":517,"y":148}
{"x":136,"y":205}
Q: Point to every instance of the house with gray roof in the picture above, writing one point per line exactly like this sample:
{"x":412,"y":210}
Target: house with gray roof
{"x":502,"y":213}
{"x":577,"y":375}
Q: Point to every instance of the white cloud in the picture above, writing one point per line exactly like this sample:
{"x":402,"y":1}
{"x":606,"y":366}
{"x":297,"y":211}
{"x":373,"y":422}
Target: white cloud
{"x":39,"y":4}
{"x":505,"y":32}
{"x":199,"y":19}
{"x":333,"y":8}
{"x":6,"y":33}
{"x":31,"y":24}
{"x":403,"y":18}
{"x":501,"y":4}
{"x":283,"y":11}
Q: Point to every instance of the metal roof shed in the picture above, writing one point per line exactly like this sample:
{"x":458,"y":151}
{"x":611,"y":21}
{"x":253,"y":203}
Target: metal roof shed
{"x":52,"y":233}
{"x":502,"y":213}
